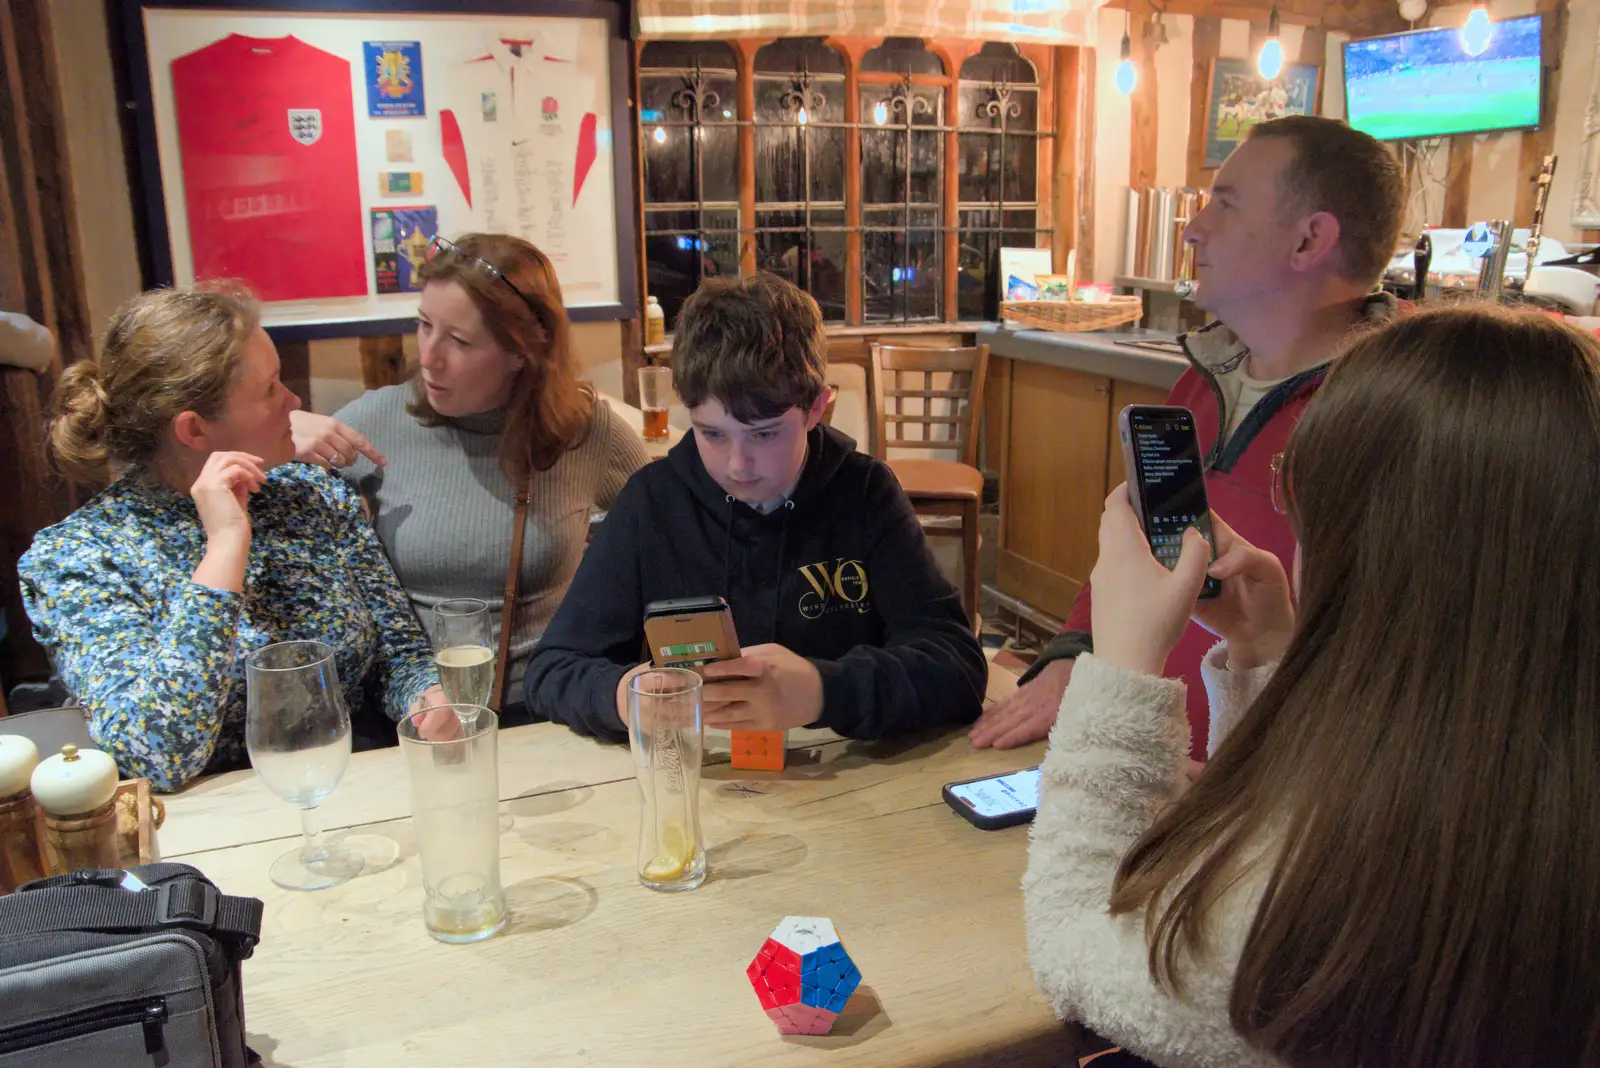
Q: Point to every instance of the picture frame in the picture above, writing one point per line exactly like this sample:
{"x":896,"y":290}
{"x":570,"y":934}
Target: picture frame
{"x":1238,"y":98}
{"x":398,"y":168}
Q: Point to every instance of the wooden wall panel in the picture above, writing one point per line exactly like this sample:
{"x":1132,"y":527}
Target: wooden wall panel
{"x":1143,"y":102}
{"x":1458,"y":182}
{"x":1538,"y":144}
{"x":1207,"y":46}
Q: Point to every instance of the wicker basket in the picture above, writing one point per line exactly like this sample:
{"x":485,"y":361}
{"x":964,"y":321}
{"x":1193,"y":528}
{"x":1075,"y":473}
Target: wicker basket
{"x":1073,"y":315}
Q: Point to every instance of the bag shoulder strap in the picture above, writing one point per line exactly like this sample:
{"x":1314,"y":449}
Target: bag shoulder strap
{"x":87,"y":904}
{"x":508,"y":607}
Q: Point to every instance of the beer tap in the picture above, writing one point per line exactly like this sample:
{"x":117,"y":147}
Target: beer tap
{"x":1421,"y":260}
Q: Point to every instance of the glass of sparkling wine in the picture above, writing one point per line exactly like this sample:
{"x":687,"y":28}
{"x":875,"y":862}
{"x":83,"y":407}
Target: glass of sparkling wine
{"x":655,"y":395}
{"x":465,"y":657}
{"x":452,"y":764}
{"x":298,"y":732}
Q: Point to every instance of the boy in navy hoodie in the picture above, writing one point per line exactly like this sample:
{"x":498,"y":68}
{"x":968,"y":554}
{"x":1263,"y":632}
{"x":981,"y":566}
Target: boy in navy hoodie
{"x":844,"y":619}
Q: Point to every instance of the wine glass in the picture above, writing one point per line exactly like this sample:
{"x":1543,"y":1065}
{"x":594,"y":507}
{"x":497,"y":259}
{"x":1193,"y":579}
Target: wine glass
{"x":465,"y":657}
{"x":298,"y":732}
{"x":463,"y":653}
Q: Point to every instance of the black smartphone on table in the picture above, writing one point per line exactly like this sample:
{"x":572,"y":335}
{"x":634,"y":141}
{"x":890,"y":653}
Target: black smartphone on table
{"x":1167,"y":480}
{"x":996,"y":801}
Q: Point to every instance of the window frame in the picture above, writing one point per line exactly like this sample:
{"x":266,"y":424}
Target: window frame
{"x":947,"y":122}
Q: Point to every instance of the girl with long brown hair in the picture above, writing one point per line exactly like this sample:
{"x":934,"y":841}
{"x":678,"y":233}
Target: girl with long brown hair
{"x":495,"y":406}
{"x":1393,"y":856}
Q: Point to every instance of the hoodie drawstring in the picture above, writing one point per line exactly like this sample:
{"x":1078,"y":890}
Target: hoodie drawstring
{"x":727,"y":545}
{"x":777,"y":584}
{"x":783,"y":547}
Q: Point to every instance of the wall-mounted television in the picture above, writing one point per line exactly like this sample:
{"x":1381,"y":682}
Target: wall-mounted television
{"x":1424,"y":84}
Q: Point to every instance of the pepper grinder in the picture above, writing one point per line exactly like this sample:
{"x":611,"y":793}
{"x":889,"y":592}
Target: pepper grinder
{"x":20,"y":860}
{"x":76,"y":789}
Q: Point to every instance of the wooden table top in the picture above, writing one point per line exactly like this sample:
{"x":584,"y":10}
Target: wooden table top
{"x":593,"y":969}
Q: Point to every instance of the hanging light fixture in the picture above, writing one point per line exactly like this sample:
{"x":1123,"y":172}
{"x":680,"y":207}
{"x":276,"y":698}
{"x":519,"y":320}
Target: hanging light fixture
{"x":1270,"y":61}
{"x":660,"y":135}
{"x":880,"y":113}
{"x":1478,"y":32}
{"x":1127,"y":74}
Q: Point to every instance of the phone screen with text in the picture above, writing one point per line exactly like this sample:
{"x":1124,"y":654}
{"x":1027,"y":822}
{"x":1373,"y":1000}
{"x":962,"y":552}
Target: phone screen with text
{"x":1171,"y":481}
{"x":1002,"y":795}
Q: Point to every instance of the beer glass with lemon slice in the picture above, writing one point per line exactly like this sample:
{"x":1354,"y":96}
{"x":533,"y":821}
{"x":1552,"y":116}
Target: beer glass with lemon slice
{"x":665,"y":734}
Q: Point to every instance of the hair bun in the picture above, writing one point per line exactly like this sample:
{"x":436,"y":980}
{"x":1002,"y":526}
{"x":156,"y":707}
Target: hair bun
{"x":78,"y":428}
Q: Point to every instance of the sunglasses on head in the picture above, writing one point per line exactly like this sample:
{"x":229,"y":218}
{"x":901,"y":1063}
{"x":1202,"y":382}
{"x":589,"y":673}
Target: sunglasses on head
{"x":441,"y":246}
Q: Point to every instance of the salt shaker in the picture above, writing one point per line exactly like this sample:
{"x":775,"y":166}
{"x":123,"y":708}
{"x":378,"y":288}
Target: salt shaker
{"x":77,"y":790}
{"x":20,"y":859}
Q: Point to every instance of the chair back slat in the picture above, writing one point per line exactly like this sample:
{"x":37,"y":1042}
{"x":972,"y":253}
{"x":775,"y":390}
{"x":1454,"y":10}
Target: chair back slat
{"x":914,"y":410}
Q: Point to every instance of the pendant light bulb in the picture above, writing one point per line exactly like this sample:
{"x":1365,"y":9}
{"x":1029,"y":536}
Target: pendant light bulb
{"x":1127,"y":75}
{"x":1270,"y":61}
{"x":804,"y":118}
{"x":1478,"y":32}
{"x":880,"y":113}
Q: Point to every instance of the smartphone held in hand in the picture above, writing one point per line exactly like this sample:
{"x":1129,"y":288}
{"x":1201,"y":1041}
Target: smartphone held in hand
{"x":1166,"y":480}
{"x":690,"y":632}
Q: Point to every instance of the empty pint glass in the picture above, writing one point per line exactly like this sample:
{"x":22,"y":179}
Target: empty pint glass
{"x":664,"y":731}
{"x":451,"y":760}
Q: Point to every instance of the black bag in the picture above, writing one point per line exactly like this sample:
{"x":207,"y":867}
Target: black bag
{"x":125,"y":968}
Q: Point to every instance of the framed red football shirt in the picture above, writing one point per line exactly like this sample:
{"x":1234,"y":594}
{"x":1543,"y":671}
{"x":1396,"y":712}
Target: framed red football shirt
{"x":266,"y":131}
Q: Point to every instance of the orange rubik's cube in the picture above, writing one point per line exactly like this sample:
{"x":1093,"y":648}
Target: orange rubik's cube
{"x":757,"y":750}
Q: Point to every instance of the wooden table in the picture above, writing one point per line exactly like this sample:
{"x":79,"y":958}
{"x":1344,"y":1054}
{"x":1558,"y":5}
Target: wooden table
{"x":593,"y":969}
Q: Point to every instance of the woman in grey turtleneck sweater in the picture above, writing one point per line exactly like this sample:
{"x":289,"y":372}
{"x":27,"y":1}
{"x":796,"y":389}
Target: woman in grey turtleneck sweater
{"x":496,"y":400}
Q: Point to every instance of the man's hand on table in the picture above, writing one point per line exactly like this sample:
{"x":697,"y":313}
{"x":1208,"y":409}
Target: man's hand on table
{"x":1028,"y":714}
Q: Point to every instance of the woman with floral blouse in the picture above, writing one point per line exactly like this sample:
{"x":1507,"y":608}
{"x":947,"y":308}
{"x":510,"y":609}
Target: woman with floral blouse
{"x":208,"y":544}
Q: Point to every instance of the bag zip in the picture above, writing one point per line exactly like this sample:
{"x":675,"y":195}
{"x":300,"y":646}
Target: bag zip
{"x":150,"y":1013}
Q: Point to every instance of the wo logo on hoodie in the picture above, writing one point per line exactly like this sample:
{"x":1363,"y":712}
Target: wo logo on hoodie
{"x":837,"y":587}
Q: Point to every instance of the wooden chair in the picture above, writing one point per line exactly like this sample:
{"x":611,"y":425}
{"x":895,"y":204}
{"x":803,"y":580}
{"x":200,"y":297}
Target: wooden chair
{"x":936,"y":487}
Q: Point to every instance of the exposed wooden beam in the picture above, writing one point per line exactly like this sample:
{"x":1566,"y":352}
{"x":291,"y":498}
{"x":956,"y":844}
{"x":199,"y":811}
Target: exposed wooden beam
{"x":953,"y":53}
{"x":1145,"y":128}
{"x":746,"y":50}
{"x":1207,"y":46}
{"x":852,"y":48}
{"x":1068,"y":164}
{"x":1357,"y":18}
{"x":383,"y":361}
{"x":1314,"y":53}
{"x":1088,"y":61}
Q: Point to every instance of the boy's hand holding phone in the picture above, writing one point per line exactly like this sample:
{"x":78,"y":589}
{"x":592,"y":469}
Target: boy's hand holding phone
{"x":1140,"y":608}
{"x":768,"y":688}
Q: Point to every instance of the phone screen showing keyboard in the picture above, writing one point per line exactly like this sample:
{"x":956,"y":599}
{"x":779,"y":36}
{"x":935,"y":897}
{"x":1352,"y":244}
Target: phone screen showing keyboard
{"x":1171,"y":481}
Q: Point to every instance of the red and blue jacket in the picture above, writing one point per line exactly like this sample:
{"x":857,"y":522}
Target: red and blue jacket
{"x":1238,"y":487}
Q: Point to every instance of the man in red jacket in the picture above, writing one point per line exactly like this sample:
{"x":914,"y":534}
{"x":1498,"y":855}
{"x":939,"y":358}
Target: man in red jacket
{"x":1303,"y":219}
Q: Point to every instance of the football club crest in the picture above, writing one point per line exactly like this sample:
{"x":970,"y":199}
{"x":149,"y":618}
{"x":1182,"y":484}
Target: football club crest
{"x":305,"y":125}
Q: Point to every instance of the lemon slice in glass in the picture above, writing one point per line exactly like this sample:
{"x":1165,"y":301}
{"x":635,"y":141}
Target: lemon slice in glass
{"x":674,"y":851}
